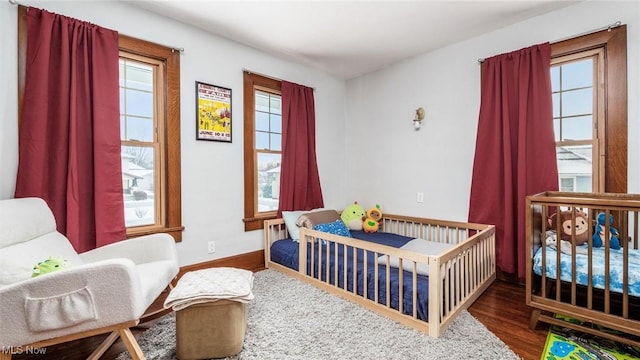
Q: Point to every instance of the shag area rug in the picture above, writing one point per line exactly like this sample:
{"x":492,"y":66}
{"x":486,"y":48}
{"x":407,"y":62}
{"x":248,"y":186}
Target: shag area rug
{"x":290,"y":319}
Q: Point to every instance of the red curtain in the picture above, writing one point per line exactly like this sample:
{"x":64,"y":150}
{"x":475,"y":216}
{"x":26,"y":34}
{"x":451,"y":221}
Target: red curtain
{"x":69,"y":141}
{"x":299,"y":179}
{"x":515,"y":147}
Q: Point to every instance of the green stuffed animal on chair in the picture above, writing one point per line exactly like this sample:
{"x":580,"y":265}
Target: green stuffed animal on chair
{"x":48,"y":266}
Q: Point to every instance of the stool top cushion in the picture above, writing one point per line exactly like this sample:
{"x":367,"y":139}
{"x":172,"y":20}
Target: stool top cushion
{"x":208,"y":285}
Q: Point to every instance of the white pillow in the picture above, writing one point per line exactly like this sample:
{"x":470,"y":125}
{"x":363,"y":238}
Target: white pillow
{"x":290,"y":218}
{"x":420,"y":246}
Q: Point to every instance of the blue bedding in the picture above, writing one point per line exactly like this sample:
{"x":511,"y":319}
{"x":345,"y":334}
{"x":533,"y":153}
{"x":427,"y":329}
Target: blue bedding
{"x":285,"y":252}
{"x":598,"y":264}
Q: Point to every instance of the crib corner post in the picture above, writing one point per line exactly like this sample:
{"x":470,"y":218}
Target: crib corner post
{"x":533,"y":320}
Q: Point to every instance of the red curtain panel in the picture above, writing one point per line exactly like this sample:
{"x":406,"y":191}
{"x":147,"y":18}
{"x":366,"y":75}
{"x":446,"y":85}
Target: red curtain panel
{"x":299,"y":179}
{"x":69,"y":140}
{"x":515,"y":147}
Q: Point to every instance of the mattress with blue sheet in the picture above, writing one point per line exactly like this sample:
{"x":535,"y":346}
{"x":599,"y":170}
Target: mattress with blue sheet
{"x":285,"y":252}
{"x":616,"y":269}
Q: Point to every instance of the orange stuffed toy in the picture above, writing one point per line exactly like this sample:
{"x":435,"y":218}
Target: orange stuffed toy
{"x":373,"y":222}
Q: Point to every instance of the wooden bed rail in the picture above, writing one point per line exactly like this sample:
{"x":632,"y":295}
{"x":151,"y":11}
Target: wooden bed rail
{"x":464,"y":271}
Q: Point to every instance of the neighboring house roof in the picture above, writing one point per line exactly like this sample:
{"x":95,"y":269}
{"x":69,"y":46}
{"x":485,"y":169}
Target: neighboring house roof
{"x":575,"y":160}
{"x":134,"y":166}
{"x":140,"y":173}
{"x":132,"y":170}
{"x":127,"y":176}
{"x":126,"y":156}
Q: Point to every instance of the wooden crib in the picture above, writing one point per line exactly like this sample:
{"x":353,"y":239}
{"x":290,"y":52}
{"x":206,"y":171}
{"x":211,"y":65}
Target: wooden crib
{"x":598,"y":286}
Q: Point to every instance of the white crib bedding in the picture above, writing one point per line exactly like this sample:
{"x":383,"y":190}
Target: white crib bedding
{"x":598,"y":265}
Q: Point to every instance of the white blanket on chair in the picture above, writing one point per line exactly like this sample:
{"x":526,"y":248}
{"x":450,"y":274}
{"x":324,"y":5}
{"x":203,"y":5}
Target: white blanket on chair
{"x":209,"y":285}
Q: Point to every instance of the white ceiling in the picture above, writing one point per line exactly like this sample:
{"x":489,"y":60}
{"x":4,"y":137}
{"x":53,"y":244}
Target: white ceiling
{"x":349,"y":38}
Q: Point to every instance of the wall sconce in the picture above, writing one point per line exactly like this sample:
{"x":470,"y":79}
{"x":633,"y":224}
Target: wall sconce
{"x":417,"y":121}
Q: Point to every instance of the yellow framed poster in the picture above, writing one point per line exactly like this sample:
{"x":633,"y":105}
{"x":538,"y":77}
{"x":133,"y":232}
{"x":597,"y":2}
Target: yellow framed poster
{"x":213,"y":112}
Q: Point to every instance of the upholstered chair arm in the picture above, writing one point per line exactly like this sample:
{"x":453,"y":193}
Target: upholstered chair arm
{"x":82,"y":297}
{"x":140,"y":250}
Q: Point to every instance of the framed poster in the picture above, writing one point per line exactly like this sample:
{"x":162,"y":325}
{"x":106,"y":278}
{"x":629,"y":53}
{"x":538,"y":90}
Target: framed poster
{"x":213,"y":112}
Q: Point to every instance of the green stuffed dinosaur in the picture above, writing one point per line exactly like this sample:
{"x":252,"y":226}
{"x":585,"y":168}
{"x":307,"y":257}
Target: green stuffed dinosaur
{"x":48,"y":266}
{"x":353,"y":216}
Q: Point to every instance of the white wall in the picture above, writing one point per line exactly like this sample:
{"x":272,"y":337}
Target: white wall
{"x":212,"y":172}
{"x":8,"y":100}
{"x":387,"y":162}
{"x":390,"y":162}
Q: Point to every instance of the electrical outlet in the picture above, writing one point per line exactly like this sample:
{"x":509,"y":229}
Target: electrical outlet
{"x":420,"y":197}
{"x":211,"y":247}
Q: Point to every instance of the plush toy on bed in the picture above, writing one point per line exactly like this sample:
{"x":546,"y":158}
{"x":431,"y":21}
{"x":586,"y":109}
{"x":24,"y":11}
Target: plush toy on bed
{"x":598,"y":237}
{"x":48,"y":266}
{"x":353,"y":216}
{"x":373,"y":221}
{"x":581,"y":225}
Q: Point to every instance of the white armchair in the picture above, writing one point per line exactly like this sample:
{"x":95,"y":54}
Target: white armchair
{"x":105,"y":290}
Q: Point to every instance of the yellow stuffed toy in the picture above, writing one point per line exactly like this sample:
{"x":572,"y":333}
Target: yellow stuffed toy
{"x":373,"y":222}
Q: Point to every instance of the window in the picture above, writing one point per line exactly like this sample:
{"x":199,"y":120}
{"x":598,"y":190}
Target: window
{"x":268,"y":148}
{"x":577,"y":100}
{"x":262,"y":149}
{"x":150,"y":130}
{"x":150,"y":134}
{"x":141,"y":150}
{"x":588,"y":81}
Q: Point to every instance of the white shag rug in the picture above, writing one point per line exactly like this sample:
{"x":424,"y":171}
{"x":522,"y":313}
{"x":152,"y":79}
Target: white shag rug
{"x":290,"y":319}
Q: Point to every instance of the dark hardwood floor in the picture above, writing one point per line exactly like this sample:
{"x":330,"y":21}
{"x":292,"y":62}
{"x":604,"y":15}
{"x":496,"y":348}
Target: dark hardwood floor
{"x":501,"y":309}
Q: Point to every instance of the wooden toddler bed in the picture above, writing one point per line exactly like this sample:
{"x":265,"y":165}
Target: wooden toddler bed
{"x":460,"y":256}
{"x":597,"y":286}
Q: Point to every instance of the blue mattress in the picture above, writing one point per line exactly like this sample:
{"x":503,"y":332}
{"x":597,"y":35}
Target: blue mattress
{"x":285,"y":252}
{"x":598,"y":264}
